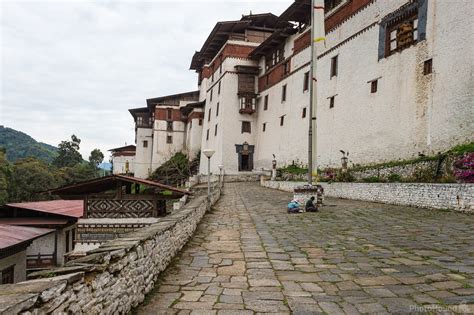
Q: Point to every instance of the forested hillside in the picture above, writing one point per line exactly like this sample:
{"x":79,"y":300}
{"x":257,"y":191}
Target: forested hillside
{"x":19,"y":145}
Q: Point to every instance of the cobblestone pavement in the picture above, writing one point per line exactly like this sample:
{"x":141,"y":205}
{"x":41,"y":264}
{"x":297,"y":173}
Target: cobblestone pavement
{"x":249,"y":256}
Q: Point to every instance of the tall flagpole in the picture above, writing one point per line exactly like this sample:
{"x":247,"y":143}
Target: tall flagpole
{"x":317,"y":39}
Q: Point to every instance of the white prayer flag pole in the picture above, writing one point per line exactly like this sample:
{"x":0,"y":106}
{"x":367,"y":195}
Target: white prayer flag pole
{"x":318,"y":41}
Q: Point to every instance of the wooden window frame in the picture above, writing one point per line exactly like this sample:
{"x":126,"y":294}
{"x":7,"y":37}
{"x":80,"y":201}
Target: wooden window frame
{"x":306,"y":81}
{"x":145,"y":143}
{"x":264,"y":126}
{"x":215,"y":130}
{"x":393,"y":27}
{"x":334,"y":66}
{"x":282,"y":120}
{"x":169,"y":126}
{"x":9,"y":271}
{"x":209,"y":115}
{"x":217,"y":109}
{"x":332,"y":101}
{"x":200,"y":121}
{"x":428,"y":66}
{"x":219,"y":88}
{"x":210,"y":96}
{"x":265,"y":102}
{"x":169,"y":114}
{"x":374,"y":86}
{"x":207,"y":135}
{"x":246,"y":127}
{"x":169,"y":139}
{"x":303,"y":114}
{"x":283,"y":93}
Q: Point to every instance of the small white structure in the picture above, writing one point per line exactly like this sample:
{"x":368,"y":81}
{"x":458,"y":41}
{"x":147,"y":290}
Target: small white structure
{"x":123,"y":160}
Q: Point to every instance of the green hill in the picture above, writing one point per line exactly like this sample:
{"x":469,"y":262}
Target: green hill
{"x":20,"y":145}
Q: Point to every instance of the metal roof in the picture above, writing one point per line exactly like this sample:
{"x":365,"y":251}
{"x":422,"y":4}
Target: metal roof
{"x":109,"y":183}
{"x":130,"y":147}
{"x":27,"y":221}
{"x":68,"y":208}
{"x":221,"y":31}
{"x":11,"y":235}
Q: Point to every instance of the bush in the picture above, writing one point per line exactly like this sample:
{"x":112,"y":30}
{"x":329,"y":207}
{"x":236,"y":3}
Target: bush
{"x":394,"y":178}
{"x":372,"y":179}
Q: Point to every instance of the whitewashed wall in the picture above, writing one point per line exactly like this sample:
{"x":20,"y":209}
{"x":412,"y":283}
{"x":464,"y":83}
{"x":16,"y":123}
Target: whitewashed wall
{"x":143,"y":155}
{"x":19,"y":261}
{"x":229,"y":120}
{"x":410,"y":113}
{"x":119,"y":163}
{"x":163,"y":151}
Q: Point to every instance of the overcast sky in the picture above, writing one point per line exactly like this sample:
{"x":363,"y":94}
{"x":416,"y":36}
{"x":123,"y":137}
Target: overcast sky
{"x":76,"y":67}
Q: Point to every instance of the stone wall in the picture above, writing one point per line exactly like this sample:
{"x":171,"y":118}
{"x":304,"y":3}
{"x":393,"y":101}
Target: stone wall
{"x":111,"y":279}
{"x":458,"y":197}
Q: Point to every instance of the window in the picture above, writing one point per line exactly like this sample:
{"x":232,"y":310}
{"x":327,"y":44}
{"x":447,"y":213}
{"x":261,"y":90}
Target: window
{"x":139,"y":120}
{"x":334,"y":66}
{"x":215,"y":130}
{"x":264,"y":127}
{"x":282,"y":120}
{"x":217,"y":110}
{"x":169,"y":126}
{"x":373,"y":86}
{"x":145,"y":144}
{"x":275,"y":57}
{"x":220,"y":68}
{"x":169,"y":114}
{"x":246,"y":126}
{"x":401,"y":35}
{"x":428,"y":67}
{"x":169,"y":139}
{"x":190,"y":124}
{"x":8,"y":275}
{"x":331,"y":101}
{"x":209,"y":115}
{"x":212,"y":78}
{"x":306,"y":82}
{"x":283,"y":93}
{"x":265,"y":102}
{"x":331,"y":4}
{"x":210,"y":97}
{"x":67,"y":241}
{"x":207,"y":134}
{"x":286,"y":68}
{"x":200,"y":122}
{"x":303,"y":115}
{"x":219,"y":88}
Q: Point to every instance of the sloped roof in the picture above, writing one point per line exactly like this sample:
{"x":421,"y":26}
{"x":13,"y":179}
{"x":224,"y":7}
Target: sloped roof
{"x":68,"y":208}
{"x":108,"y":183}
{"x":221,"y":31}
{"x":130,"y":147}
{"x":31,"y":221}
{"x":11,"y":235}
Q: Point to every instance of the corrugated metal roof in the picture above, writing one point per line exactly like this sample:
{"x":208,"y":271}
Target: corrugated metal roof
{"x":69,"y":208}
{"x":26,"y":221}
{"x":11,"y":235}
{"x":106,"y":183}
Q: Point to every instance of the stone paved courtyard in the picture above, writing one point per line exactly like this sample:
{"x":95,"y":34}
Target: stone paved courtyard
{"x":249,"y":256}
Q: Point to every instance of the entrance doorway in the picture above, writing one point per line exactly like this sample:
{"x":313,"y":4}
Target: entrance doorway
{"x":245,"y":156}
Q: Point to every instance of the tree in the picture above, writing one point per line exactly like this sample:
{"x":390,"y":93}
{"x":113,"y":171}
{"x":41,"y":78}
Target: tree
{"x":4,"y":177}
{"x":68,"y":153}
{"x":29,"y":177}
{"x":96,"y":158}
{"x":78,"y":173}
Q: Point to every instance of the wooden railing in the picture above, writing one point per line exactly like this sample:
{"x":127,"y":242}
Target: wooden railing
{"x":40,"y":261}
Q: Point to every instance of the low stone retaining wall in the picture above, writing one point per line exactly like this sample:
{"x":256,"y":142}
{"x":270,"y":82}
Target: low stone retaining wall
{"x":111,"y":279}
{"x":458,"y":197}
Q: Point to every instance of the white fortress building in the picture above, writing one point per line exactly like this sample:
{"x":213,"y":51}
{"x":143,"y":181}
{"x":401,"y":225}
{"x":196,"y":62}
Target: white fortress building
{"x":395,"y":80}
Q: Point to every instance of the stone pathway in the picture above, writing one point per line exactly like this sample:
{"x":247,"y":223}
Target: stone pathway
{"x":249,"y":256}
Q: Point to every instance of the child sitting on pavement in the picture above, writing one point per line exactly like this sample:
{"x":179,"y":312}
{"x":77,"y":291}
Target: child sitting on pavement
{"x":310,"y":207}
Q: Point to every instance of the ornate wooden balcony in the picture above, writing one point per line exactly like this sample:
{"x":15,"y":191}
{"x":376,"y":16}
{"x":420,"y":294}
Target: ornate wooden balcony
{"x":247,"y":110}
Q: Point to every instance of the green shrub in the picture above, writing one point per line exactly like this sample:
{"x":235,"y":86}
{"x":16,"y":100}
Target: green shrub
{"x":394,"y":178}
